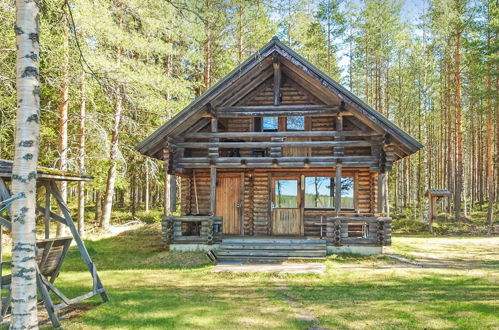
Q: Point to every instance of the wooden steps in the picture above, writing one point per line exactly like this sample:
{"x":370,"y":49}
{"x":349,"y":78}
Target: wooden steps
{"x":270,"y":249}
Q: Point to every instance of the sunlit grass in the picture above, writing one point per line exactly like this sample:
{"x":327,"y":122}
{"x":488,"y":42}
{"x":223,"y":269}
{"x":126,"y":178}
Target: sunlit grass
{"x":152,"y":288}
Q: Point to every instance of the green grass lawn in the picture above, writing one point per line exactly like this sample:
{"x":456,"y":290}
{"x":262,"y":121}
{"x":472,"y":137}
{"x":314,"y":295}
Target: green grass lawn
{"x":152,"y":288}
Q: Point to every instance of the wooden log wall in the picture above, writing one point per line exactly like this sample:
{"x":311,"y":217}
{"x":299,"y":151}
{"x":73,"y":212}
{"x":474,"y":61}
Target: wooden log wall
{"x":261,"y":202}
{"x":257,"y":198}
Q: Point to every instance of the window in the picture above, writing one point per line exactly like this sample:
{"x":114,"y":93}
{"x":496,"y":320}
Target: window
{"x":319,"y":192}
{"x":270,"y":124}
{"x":359,"y":230}
{"x":286,"y":193}
{"x":295,"y":123}
{"x":347,"y":191}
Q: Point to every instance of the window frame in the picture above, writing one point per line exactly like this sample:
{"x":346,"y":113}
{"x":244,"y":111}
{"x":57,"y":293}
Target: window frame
{"x":333,"y":177}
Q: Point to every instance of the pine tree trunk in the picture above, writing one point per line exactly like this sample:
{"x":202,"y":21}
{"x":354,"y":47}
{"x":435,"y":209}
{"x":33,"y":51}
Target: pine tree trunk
{"x":490,"y":173}
{"x":459,"y":131}
{"x":81,"y":159}
{"x":98,"y":206}
{"x":24,"y":290}
{"x":113,"y":155}
{"x":63,"y":119}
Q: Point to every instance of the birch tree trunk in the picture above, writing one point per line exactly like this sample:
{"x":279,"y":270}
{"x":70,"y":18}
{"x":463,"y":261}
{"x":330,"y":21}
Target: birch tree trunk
{"x":27,"y":29}
{"x":81,"y":159}
{"x":63,"y":119}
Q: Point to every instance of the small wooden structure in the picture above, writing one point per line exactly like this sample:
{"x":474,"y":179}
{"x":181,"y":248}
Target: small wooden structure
{"x":50,"y":251}
{"x":277,"y":148}
{"x":433,"y":196}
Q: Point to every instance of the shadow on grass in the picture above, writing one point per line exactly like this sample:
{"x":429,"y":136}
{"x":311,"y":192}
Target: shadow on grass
{"x":140,"y":248}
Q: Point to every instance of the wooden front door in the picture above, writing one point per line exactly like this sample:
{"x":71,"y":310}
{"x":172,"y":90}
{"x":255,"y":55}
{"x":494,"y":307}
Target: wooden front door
{"x":229,"y":202}
{"x":286,"y":206}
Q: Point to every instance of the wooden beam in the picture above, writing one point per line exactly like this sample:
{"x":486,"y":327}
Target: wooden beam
{"x":291,"y":108}
{"x":277,"y":78}
{"x":367,"y":159}
{"x":265,"y":144}
{"x":207,"y":135}
{"x":316,"y":113}
{"x":213,"y":190}
{"x":47,"y":210}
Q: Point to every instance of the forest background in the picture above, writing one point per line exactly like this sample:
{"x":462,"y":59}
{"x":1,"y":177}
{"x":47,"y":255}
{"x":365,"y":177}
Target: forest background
{"x":113,"y":71}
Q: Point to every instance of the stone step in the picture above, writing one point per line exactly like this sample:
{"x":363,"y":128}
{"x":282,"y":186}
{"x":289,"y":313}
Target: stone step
{"x":272,"y":253}
{"x":271,"y":246}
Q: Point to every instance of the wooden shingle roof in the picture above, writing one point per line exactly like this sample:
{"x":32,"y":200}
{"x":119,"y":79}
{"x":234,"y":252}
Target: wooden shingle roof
{"x":43,"y":173}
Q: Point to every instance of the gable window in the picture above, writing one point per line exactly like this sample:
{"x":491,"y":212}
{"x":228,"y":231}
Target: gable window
{"x":270,"y":124}
{"x":319,"y":192}
{"x":295,"y":123}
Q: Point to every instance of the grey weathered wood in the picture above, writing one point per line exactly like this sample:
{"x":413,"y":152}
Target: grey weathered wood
{"x":265,"y":144}
{"x":213,"y":190}
{"x":172,"y":195}
{"x":47,"y":210}
{"x":337,"y":150}
{"x":206,"y":135}
{"x":381,"y":192}
{"x":47,"y":301}
{"x":69,"y":221}
{"x":337,"y":189}
{"x":277,"y":78}
{"x":54,"y":216}
{"x":287,"y":108}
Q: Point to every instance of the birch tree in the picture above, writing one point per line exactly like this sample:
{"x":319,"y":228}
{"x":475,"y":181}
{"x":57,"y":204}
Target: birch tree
{"x":24,"y":301}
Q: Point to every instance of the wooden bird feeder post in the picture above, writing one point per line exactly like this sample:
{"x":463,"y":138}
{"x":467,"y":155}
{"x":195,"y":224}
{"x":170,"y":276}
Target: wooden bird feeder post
{"x":433,"y":196}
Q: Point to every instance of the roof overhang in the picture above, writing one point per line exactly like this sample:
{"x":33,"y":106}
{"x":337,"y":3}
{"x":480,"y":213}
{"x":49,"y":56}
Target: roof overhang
{"x":306,"y":70}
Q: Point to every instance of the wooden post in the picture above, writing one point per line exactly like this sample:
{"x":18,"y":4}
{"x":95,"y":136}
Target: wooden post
{"x":339,"y":151}
{"x":433,"y":211}
{"x":47,"y":210}
{"x":277,"y":78}
{"x":166,"y":188}
{"x":213,"y":190}
{"x":381,"y":192}
{"x":337,"y":190}
{"x":213,"y":151}
{"x":172,"y":194}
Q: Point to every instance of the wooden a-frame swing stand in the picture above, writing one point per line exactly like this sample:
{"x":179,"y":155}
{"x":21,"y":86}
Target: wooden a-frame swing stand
{"x":51,"y":252}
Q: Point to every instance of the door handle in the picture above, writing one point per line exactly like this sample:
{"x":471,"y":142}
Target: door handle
{"x":238,"y":206}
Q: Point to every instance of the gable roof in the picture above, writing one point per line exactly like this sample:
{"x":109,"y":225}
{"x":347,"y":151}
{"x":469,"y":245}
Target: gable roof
{"x":274,"y":45}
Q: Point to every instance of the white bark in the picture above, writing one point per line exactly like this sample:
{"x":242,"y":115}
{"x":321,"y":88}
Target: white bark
{"x":27,"y":29}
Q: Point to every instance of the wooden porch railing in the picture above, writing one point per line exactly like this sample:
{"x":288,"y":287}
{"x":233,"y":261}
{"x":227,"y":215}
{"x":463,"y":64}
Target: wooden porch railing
{"x":192,"y":229}
{"x":358,"y":231}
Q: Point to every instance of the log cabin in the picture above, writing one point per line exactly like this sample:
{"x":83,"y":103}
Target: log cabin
{"x":278,"y":160}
